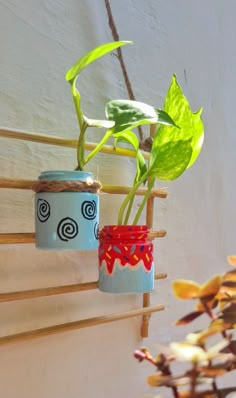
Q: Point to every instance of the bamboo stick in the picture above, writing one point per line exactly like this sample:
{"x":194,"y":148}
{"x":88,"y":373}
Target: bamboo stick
{"x":29,"y":237}
{"x":56,"y":290}
{"x":48,"y":291}
{"x":17,"y":238}
{"x":149,"y":223}
{"x":156,"y":234}
{"x":69,"y":143}
{"x":65,"y":327}
{"x":158,"y":193}
{"x":14,"y":183}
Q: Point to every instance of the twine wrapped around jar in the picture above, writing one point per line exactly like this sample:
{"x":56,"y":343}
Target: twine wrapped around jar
{"x":67,"y":186}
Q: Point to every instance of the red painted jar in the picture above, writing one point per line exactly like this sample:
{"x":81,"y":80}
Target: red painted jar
{"x":125,"y":259}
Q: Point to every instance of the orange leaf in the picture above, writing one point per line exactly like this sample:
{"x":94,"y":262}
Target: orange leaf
{"x":229,"y":276}
{"x":199,"y":394}
{"x":185,"y":289}
{"x":211,"y":287}
{"x":157,"y":380}
{"x":232,"y":260}
{"x":217,"y":326}
{"x":212,"y":371}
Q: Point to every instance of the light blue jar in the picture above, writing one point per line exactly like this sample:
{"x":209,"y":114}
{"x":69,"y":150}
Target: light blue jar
{"x":66,"y":220}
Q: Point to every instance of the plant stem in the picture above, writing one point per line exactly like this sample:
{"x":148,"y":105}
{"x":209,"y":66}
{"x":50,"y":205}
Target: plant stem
{"x":76,"y":98}
{"x":193,"y":379}
{"x":215,"y":389}
{"x":99,"y":146}
{"x":80,"y":147}
{"x":82,"y":126}
{"x":144,"y":201}
{"x":129,"y":211}
{"x":129,"y":197}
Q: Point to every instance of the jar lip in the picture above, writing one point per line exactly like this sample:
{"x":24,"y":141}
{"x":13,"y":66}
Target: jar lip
{"x":125,"y":233}
{"x":126,"y":228}
{"x":65,"y":175}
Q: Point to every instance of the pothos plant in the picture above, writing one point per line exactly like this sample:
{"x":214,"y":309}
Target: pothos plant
{"x":176,"y":143}
{"x":206,"y":361}
{"x":122,"y":115}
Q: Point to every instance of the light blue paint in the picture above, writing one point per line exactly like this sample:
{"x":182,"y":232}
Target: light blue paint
{"x":59,"y":220}
{"x":125,"y":280}
{"x":65,"y":175}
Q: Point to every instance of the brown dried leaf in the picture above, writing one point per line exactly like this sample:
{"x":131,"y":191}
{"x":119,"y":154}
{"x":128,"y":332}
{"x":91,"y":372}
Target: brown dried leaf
{"x":231,"y":347}
{"x":188,"y":318}
{"x":225,"y":391}
{"x":228,"y":314}
{"x":231,"y":284}
{"x":211,"y":304}
{"x":226,"y":298}
{"x":185,"y":289}
{"x":211,"y":287}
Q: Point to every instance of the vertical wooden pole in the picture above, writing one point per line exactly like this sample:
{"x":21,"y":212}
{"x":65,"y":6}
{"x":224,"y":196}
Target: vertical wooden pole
{"x":149,"y":223}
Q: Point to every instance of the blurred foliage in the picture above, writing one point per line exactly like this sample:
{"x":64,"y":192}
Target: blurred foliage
{"x":216,"y":299}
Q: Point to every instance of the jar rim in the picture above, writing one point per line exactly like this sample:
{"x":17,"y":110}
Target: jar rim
{"x":65,"y":175}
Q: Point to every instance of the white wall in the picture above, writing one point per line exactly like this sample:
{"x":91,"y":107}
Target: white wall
{"x":39,"y":41}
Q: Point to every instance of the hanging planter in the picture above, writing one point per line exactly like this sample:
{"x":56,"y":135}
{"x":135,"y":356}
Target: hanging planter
{"x":125,"y":256}
{"x":66,"y":211}
{"x":125,"y":259}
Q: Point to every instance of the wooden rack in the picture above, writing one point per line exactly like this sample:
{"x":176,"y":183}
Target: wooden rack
{"x":24,"y":238}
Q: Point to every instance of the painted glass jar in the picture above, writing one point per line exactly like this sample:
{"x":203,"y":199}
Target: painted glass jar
{"x":125,"y":259}
{"x":66,"y":220}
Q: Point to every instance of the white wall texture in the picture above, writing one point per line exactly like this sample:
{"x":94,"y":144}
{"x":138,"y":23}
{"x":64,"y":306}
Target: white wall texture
{"x":39,"y":41}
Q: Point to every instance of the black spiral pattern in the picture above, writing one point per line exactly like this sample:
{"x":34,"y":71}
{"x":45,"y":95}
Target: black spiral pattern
{"x":43,"y":210}
{"x":89,"y":209}
{"x":96,"y":230}
{"x":67,"y":229}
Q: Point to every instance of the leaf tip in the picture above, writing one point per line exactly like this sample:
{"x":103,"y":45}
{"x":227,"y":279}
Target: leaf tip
{"x":232,"y":260}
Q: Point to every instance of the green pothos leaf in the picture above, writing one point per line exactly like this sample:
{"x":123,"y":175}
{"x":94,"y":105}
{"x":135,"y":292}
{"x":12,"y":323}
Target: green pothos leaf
{"x":92,"y":56}
{"x":127,"y":137}
{"x":129,"y":114}
{"x":169,"y":160}
{"x":175,"y":149}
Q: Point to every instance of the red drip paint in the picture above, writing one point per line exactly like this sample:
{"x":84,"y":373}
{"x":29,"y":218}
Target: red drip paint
{"x":126,"y":244}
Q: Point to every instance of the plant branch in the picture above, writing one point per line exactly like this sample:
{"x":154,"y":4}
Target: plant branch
{"x":115,"y":36}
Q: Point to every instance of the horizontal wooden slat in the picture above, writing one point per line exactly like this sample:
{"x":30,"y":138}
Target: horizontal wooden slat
{"x":48,"y":291}
{"x":56,"y":290}
{"x":84,"y":323}
{"x":29,"y":237}
{"x":17,"y":238}
{"x":16,"y":183}
{"x":70,"y":143}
